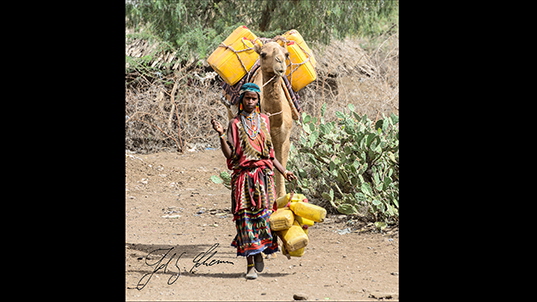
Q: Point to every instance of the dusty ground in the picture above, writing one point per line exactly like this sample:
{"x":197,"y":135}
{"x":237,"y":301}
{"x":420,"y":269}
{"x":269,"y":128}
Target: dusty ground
{"x":174,"y":212}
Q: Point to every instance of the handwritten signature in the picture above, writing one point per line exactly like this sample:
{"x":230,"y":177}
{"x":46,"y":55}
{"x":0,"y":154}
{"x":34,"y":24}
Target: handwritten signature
{"x":201,"y":259}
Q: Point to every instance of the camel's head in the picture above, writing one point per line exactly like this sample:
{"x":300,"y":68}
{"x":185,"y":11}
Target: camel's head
{"x":273,"y":58}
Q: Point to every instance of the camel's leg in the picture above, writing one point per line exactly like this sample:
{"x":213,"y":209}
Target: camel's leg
{"x":282,"y":154}
{"x":278,"y":177}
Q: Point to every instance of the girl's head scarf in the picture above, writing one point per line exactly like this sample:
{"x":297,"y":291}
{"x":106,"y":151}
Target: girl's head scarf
{"x":249,"y":87}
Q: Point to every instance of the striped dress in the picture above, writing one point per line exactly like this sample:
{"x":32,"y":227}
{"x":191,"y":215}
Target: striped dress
{"x":253,"y":193}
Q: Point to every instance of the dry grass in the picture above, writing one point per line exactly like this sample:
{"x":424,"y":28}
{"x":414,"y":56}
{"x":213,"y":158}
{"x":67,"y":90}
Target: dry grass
{"x":173,"y":112}
{"x":349,"y":74}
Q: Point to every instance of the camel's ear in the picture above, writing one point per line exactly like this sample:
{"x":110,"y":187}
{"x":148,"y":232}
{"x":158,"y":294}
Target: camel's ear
{"x":257,"y":48}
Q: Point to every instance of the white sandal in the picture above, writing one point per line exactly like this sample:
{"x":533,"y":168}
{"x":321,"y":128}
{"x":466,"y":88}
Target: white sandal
{"x":251,"y":273}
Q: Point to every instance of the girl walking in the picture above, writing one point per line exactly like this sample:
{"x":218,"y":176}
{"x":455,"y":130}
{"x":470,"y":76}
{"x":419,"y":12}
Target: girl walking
{"x":247,"y":145}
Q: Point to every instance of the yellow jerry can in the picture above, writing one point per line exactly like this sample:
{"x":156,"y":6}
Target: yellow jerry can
{"x":304,"y":221}
{"x":282,"y":201}
{"x":235,"y":56}
{"x":308,"y":211}
{"x":282,"y":219}
{"x":294,"y":238}
{"x":239,"y":33}
{"x":294,"y":35}
{"x":297,"y":253}
{"x":300,"y":252}
{"x":300,"y":72}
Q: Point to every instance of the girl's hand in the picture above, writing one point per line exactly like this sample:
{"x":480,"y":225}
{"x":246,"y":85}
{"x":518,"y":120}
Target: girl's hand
{"x":217,"y":126}
{"x":289,"y":175}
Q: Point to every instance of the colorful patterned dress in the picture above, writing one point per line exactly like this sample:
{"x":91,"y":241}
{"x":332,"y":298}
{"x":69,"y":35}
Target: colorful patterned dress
{"x":253,"y":192}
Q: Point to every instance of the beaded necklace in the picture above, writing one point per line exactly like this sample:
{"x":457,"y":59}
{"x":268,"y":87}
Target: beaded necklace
{"x":252,"y":130}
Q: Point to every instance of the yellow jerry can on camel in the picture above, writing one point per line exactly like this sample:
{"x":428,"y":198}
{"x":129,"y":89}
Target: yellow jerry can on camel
{"x":301,"y":69}
{"x":294,"y":35}
{"x":235,"y":56}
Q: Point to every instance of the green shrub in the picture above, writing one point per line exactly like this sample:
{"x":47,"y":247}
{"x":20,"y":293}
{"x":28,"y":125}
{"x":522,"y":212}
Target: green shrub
{"x":351,"y":165}
{"x":192,"y":25}
{"x":224,"y":178}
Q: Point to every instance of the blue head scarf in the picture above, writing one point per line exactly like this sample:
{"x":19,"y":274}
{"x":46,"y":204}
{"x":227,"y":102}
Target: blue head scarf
{"x":249,"y":87}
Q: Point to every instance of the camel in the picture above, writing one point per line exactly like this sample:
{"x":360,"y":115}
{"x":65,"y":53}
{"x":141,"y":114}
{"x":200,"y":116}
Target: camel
{"x":275,"y":102}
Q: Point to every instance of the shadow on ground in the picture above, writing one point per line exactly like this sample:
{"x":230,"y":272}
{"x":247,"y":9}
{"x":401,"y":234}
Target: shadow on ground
{"x":234,"y":275}
{"x":161,"y":249}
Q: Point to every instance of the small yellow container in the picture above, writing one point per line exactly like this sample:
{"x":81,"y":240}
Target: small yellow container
{"x":227,"y":63}
{"x":282,"y":219}
{"x":282,"y":201}
{"x":299,"y":252}
{"x":302,"y":74}
{"x":294,"y":35}
{"x":294,"y":238}
{"x":304,"y":221}
{"x":309,"y":211}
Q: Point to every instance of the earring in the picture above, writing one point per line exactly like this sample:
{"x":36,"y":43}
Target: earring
{"x":257,"y":109}
{"x":240,"y":106}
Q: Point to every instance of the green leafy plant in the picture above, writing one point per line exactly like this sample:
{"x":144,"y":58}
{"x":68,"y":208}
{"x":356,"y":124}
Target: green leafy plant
{"x":173,"y":20}
{"x":350,"y":165}
{"x":224,"y":178}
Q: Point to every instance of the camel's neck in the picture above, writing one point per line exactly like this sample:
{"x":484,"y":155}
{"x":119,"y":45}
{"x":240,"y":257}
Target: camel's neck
{"x":269,"y":79}
{"x":271,"y":93}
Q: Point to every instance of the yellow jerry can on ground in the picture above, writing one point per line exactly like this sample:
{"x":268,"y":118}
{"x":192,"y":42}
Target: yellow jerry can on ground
{"x":308,"y":211}
{"x":294,"y":238}
{"x":235,"y":56}
{"x":282,"y":219}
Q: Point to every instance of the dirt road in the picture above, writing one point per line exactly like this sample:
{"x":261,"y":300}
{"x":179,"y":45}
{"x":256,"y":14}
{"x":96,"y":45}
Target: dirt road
{"x":179,"y":229}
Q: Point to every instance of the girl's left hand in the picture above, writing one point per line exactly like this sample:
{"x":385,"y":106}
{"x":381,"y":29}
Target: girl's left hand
{"x":289,"y":175}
